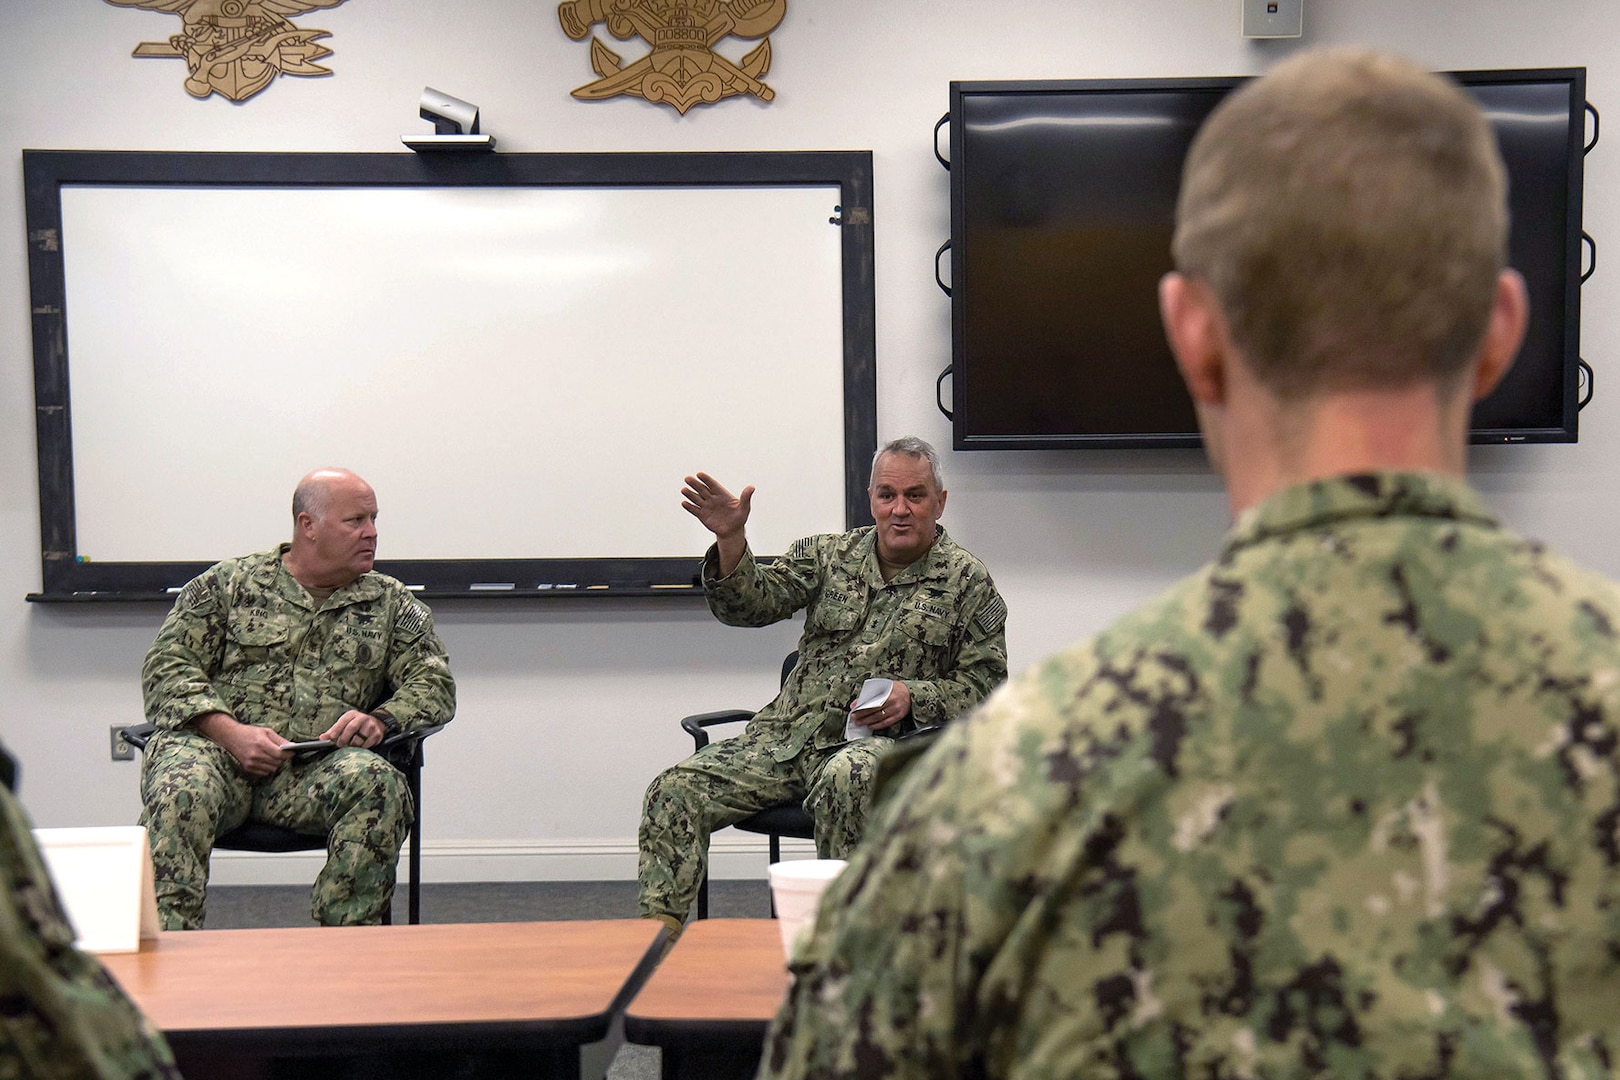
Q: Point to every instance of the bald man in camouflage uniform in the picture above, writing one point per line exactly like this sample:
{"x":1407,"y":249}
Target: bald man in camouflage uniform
{"x":895,"y":600}
{"x":301,"y":643}
{"x":1345,"y":802}
{"x":62,"y":1017}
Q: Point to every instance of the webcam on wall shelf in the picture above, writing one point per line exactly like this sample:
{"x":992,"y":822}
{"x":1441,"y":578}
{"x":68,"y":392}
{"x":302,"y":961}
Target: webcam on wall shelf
{"x":455,"y":125}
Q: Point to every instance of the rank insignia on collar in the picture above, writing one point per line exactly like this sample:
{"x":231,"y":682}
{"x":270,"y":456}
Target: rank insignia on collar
{"x":236,"y":47}
{"x":682,"y":70}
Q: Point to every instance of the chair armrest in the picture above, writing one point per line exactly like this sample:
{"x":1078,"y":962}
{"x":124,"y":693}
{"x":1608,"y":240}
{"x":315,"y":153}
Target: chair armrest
{"x":138,"y":735}
{"x":413,"y":735}
{"x":402,"y":747}
{"x":694,"y":725}
{"x":922,"y":734}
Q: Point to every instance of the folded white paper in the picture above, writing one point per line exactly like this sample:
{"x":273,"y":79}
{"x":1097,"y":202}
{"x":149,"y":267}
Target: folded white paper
{"x":103,"y":876}
{"x":874,"y":692}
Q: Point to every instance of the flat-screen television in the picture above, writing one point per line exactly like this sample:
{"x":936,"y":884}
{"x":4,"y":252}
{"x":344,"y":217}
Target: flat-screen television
{"x":1062,"y":206}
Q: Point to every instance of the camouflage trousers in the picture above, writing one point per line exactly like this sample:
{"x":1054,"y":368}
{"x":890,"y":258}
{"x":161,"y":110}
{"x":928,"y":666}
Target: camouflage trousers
{"x":725,"y":782}
{"x":194,"y":792}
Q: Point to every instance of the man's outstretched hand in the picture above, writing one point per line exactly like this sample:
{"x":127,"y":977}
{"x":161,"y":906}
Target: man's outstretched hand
{"x":722,"y":513}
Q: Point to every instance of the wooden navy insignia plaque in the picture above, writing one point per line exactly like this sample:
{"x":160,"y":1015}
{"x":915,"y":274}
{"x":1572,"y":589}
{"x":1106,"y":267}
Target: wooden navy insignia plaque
{"x":236,"y":48}
{"x":682,"y":70}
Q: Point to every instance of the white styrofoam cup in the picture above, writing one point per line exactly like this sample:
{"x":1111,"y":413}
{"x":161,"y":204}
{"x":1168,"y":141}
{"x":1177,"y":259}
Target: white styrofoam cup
{"x":797,"y":887}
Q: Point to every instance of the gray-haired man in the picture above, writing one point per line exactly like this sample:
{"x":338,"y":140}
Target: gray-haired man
{"x":898,"y":599}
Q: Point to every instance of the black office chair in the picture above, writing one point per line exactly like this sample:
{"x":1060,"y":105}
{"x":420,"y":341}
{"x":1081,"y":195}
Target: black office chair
{"x":774,"y":822}
{"x":403,"y":751}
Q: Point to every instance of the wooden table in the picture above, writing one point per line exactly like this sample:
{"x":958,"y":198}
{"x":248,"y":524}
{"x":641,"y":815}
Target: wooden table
{"x":709,"y":1003}
{"x":511,"y":998}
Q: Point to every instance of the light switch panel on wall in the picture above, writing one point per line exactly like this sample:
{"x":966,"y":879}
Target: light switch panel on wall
{"x":1273,"y":18}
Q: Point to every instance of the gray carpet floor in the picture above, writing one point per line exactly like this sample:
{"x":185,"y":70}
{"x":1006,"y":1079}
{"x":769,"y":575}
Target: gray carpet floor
{"x":244,"y":906}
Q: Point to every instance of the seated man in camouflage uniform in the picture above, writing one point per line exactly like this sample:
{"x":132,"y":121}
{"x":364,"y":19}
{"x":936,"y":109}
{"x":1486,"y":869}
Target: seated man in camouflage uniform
{"x":1343,"y":803}
{"x":896,"y":600}
{"x":300,"y":643}
{"x":61,"y":1014}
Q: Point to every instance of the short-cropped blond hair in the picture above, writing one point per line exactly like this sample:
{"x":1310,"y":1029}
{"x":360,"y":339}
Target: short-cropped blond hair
{"x":1349,"y":211}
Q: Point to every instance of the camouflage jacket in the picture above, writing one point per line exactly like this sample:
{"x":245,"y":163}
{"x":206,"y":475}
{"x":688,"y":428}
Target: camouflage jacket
{"x":63,"y":1016}
{"x":1343,"y":803}
{"x":940,"y":626}
{"x":244,"y":638}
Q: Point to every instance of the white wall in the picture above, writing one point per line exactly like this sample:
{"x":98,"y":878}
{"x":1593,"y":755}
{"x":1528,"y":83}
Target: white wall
{"x":567,"y":709}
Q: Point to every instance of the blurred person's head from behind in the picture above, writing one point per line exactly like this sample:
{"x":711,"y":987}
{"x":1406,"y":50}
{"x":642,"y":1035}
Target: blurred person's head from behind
{"x":1342,"y":230}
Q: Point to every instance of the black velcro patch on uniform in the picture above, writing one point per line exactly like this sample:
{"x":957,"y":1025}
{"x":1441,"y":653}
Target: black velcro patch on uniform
{"x":993,"y":616}
{"x":802,"y":549}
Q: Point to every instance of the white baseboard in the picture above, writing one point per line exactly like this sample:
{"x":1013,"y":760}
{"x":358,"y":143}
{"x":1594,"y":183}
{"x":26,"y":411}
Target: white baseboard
{"x":735,"y":856}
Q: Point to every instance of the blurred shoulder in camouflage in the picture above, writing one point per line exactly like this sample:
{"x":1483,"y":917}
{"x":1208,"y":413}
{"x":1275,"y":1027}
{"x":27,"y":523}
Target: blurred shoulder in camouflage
{"x":898,"y":600}
{"x":301,"y":643}
{"x":63,"y":1016}
{"x":1344,"y":802}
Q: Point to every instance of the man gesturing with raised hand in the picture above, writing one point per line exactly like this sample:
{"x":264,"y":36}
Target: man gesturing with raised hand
{"x":897,"y":600}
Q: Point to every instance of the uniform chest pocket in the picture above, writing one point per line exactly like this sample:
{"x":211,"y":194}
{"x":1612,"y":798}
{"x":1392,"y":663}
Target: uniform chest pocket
{"x":829,"y":614}
{"x":253,"y":641}
{"x":926,"y":627}
{"x":357,"y":650}
{"x":255,"y":634}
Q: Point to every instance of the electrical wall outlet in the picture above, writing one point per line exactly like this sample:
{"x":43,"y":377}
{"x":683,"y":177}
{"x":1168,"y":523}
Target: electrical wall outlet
{"x":1273,"y":18}
{"x":122,"y":750}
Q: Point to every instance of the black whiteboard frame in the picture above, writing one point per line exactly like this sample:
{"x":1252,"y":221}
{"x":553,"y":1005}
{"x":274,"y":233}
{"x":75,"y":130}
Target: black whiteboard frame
{"x":67,"y":579}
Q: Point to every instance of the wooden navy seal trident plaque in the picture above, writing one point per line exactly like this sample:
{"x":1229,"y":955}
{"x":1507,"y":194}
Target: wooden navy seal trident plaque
{"x":682,"y":70}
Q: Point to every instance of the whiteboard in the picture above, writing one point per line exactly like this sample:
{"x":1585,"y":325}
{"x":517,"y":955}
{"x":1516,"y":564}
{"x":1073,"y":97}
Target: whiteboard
{"x":523,"y":371}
